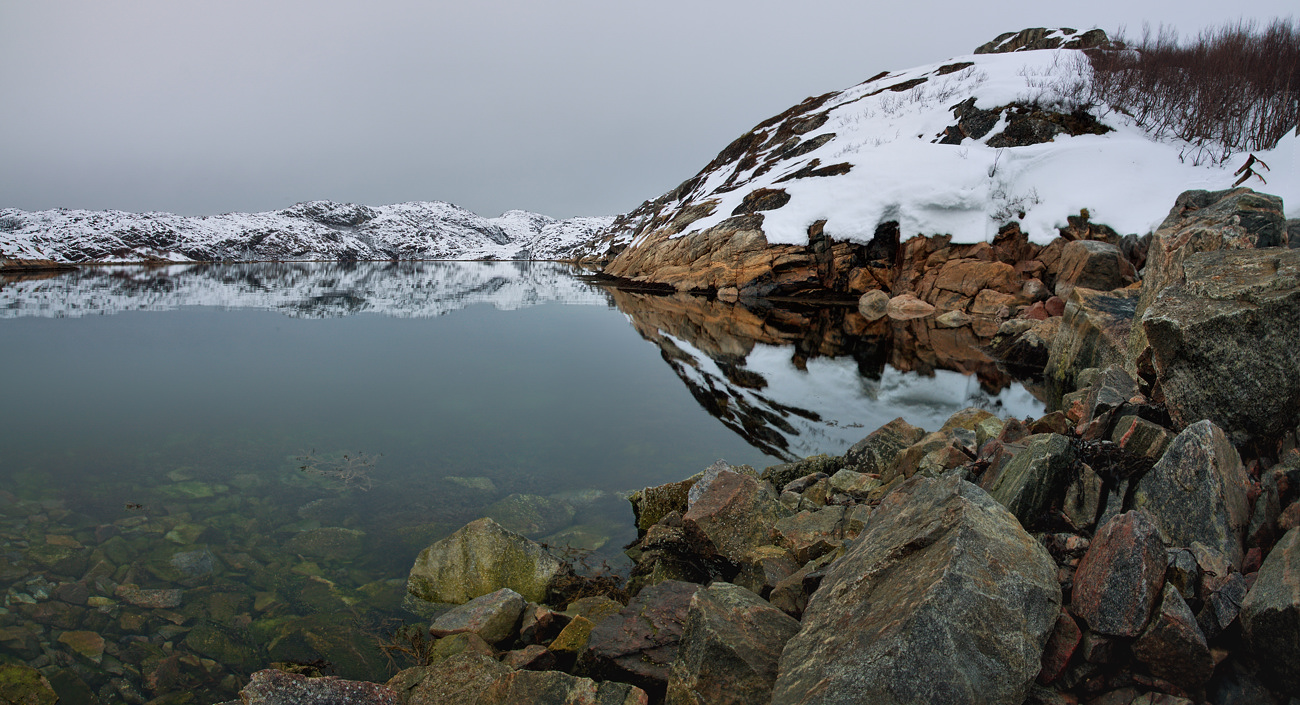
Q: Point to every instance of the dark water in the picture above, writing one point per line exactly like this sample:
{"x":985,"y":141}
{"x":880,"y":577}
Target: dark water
{"x":278,"y":442}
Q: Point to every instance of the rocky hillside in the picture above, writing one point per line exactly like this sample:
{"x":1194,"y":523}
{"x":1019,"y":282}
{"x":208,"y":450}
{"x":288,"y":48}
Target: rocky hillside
{"x":819,"y":196}
{"x":315,"y":230}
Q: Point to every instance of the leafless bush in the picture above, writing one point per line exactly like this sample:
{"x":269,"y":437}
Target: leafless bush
{"x":1232,"y":89}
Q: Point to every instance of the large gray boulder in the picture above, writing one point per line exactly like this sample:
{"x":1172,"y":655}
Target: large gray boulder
{"x":735,"y":511}
{"x":1119,"y":580}
{"x":1094,"y":333}
{"x":1092,"y":264}
{"x":1270,"y":614}
{"x":493,"y":617}
{"x":1223,"y":342}
{"x":480,"y":558}
{"x":1204,"y":221}
{"x":944,"y":598}
{"x":557,"y":688}
{"x":730,"y":648}
{"x":1197,"y":492}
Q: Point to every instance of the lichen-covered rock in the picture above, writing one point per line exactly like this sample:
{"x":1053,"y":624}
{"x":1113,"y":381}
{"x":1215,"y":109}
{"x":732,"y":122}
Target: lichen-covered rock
{"x":480,"y":558}
{"x":1197,"y":492}
{"x":272,"y":687}
{"x":458,"y":680}
{"x":651,"y":504}
{"x":1172,"y":645}
{"x":875,"y":453}
{"x":1120,"y":578}
{"x":556,"y":688}
{"x":943,"y":598}
{"x":810,"y":534}
{"x":1223,"y":342}
{"x":1036,"y":478}
{"x":493,"y":616}
{"x":1270,"y":614}
{"x":1094,"y":333}
{"x":736,"y":512}
{"x":730,"y":648}
{"x":640,"y":643}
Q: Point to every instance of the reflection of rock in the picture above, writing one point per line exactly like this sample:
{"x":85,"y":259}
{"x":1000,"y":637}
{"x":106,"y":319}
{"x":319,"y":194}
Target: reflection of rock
{"x":762,"y":370}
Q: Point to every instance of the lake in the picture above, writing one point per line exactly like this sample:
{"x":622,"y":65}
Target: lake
{"x":210,"y":467}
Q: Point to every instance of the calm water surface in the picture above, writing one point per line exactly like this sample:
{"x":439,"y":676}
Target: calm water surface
{"x":277,"y":442}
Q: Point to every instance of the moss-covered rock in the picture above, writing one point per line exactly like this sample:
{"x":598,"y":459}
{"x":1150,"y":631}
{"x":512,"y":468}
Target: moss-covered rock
{"x":480,"y":558}
{"x":23,"y":685}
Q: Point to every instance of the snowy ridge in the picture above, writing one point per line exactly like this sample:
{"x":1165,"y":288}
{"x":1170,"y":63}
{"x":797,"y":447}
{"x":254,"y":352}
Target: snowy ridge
{"x":304,"y":289}
{"x":315,"y":230}
{"x":889,"y":149}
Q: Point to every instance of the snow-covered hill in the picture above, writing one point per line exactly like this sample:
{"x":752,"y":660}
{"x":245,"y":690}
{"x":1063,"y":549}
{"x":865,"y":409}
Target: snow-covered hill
{"x":299,"y":289}
{"x":959,"y":147}
{"x":315,"y":230}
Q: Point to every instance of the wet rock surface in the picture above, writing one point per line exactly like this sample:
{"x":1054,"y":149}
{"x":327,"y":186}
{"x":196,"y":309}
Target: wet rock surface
{"x":480,"y":558}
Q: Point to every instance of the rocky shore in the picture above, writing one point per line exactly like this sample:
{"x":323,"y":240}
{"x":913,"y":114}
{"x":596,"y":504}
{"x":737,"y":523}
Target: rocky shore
{"x":1135,"y":545}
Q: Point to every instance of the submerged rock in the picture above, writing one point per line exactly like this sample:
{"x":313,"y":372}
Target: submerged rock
{"x":943,"y":598}
{"x":272,"y":687}
{"x":480,"y":558}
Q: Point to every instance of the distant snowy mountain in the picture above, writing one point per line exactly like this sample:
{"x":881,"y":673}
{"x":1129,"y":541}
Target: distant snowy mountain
{"x":299,"y":289}
{"x":315,"y":230}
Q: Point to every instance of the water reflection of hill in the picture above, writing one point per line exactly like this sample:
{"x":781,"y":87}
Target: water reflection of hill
{"x":799,"y":380}
{"x":301,"y":289}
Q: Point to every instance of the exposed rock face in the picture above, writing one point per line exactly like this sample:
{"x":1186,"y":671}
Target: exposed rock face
{"x":899,"y":618}
{"x":1120,"y":578}
{"x":1204,"y":221}
{"x":730,"y":648}
{"x":1197,"y":492}
{"x":478,"y":559}
{"x":1223,"y":341}
{"x":1270,"y":614}
{"x":1041,"y":38}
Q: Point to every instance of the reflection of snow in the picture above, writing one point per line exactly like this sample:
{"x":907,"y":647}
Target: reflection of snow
{"x":830,"y":406}
{"x":308,"y":290}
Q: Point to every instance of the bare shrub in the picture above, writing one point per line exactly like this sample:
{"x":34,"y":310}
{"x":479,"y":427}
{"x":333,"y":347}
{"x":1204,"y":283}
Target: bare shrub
{"x":1232,"y":89}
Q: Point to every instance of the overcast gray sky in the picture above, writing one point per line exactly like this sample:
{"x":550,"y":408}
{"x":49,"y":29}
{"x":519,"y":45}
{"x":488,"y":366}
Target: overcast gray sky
{"x":567,"y":107}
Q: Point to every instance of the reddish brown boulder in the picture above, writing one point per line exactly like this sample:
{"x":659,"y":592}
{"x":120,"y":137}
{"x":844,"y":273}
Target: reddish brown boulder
{"x":1061,"y":646}
{"x":1092,"y":264}
{"x":639,"y":644}
{"x":1120,"y":578}
{"x":907,"y":306}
